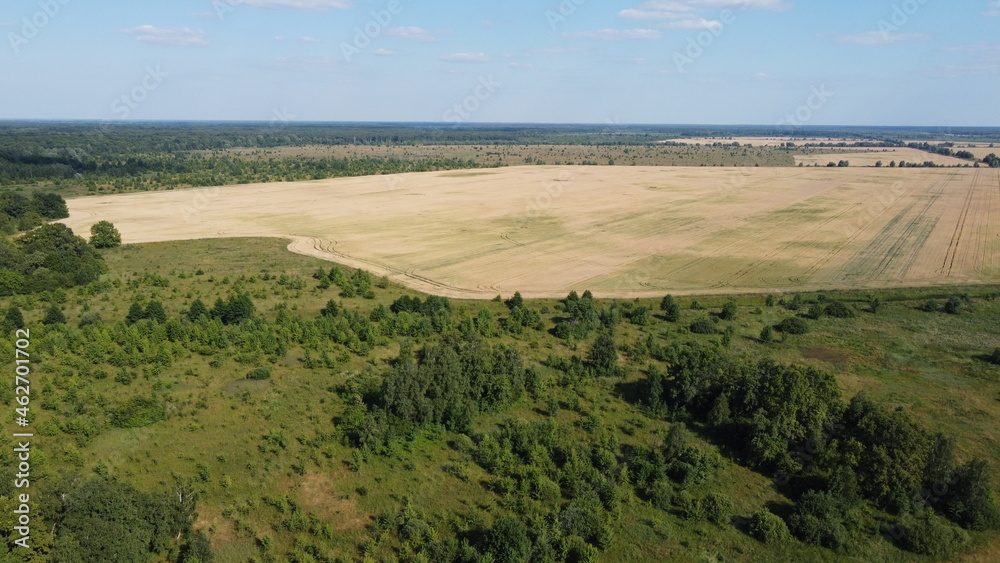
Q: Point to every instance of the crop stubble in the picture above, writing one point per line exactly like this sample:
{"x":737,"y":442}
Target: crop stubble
{"x":619,"y":231}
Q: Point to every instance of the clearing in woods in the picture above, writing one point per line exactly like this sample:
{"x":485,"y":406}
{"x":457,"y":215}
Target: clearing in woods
{"x":619,"y":231}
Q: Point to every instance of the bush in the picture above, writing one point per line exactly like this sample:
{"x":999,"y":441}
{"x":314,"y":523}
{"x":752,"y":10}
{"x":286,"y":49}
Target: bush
{"x":840,"y":310}
{"x":995,"y":357}
{"x":955,"y":305}
{"x":794,"y":325}
{"x":257,"y":374}
{"x":929,"y":534}
{"x":90,"y":318}
{"x":703,"y":326}
{"x":767,"y":334}
{"x":661,"y":494}
{"x":929,"y":306}
{"x":718,"y":509}
{"x":819,"y":519}
{"x":728,"y":311}
{"x":768,"y":528}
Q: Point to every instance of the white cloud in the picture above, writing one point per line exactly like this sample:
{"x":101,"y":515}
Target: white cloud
{"x":279,"y":38}
{"x":616,"y":34}
{"x":174,"y":36}
{"x":993,"y":10}
{"x":308,"y":39}
{"x":302,"y":5}
{"x":690,"y":9}
{"x":305,"y":64}
{"x":555,"y":50}
{"x":466,"y":57}
{"x":699,"y":23}
{"x":384,"y":52}
{"x":525,"y":66}
{"x":875,"y":38}
{"x":411,"y":33}
{"x":488,"y":23}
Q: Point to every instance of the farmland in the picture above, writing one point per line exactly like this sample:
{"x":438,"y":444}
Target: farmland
{"x":619,"y":231}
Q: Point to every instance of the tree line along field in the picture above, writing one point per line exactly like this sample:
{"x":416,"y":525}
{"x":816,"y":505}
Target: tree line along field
{"x":637,"y":231}
{"x":274,"y":388}
{"x":513,"y":155}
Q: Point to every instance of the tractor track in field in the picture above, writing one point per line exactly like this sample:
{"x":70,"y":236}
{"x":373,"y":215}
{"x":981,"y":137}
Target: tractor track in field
{"x":956,"y":237}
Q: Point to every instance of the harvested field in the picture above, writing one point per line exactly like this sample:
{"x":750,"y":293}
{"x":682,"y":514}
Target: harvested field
{"x":868,"y":157}
{"x":619,"y":231}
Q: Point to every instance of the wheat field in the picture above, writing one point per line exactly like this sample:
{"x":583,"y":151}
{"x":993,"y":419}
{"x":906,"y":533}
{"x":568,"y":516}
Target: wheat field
{"x":618,"y":231}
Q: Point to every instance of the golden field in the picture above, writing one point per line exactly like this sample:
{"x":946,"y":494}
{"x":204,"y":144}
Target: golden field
{"x":618,"y":231}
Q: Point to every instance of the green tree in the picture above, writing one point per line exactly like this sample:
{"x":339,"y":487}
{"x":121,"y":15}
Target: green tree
{"x":136,"y":312}
{"x":154,"y":311}
{"x":13,"y":319}
{"x":728,"y":311}
{"x":970,"y":500}
{"x":53,"y":315}
{"x":794,"y":325}
{"x":197,"y":310}
{"x":767,"y":334}
{"x":671,"y":310}
{"x":103,"y":234}
{"x":604,"y":356}
{"x":507,"y":541}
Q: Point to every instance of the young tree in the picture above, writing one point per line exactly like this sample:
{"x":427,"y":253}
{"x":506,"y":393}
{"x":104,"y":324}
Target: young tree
{"x":728,"y":311}
{"x":103,"y":234}
{"x":13,"y":319}
{"x":136,"y":313}
{"x":53,"y":315}
{"x":671,"y":310}
{"x":508,"y":541}
{"x":154,"y":311}
{"x":197,"y":310}
{"x":604,"y":355}
{"x":767,"y":334}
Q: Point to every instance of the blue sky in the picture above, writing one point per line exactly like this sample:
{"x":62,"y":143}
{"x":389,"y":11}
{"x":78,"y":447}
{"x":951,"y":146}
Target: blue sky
{"x":850,"y":62}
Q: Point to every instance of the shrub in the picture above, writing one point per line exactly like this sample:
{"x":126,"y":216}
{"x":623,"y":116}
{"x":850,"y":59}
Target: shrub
{"x":689,"y":507}
{"x":819,"y":519}
{"x":718,"y":508}
{"x":703,"y":326}
{"x":661,"y":494}
{"x":768,"y":528}
{"x":767,"y":334}
{"x":929,"y":534}
{"x":728,"y":311}
{"x":90,"y":318}
{"x":955,"y":305}
{"x":929,"y":306}
{"x":995,"y":357}
{"x":794,"y":325}
{"x":840,"y":310}
{"x":259,"y":373}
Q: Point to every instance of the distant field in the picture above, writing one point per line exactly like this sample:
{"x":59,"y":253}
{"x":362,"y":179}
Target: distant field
{"x":759,"y":141}
{"x":868,"y":157}
{"x":634,"y":231}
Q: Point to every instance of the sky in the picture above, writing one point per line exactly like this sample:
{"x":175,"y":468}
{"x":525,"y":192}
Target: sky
{"x":788,"y":62}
